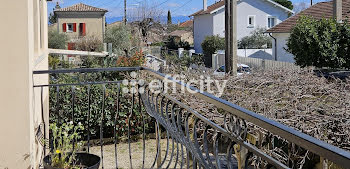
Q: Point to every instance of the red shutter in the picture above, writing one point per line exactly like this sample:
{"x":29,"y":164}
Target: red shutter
{"x":71,"y":46}
{"x":64,"y":26}
{"x":84,"y":29}
{"x":74,"y":27}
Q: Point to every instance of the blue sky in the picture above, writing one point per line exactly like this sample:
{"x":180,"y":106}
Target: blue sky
{"x":178,"y":7}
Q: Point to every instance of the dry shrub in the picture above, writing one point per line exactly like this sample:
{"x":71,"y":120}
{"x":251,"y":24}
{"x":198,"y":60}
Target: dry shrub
{"x":297,"y":98}
{"x":89,"y":43}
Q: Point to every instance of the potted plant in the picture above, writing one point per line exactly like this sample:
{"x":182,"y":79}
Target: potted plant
{"x":66,"y":145}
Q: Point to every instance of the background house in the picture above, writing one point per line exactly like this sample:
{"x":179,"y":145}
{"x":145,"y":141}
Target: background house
{"x":281,"y":32}
{"x":81,"y":20}
{"x":182,"y":35}
{"x":251,"y":14}
{"x":186,"y":24}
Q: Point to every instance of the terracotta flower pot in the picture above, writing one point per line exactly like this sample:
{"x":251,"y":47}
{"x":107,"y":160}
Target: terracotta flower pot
{"x":88,"y":161}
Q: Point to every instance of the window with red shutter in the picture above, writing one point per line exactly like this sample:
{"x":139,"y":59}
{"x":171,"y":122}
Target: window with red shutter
{"x":74,"y":27}
{"x":84,"y":29}
{"x":64,"y":27}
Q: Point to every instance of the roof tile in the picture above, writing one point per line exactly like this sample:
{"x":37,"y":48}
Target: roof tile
{"x":80,"y":8}
{"x":317,"y":11}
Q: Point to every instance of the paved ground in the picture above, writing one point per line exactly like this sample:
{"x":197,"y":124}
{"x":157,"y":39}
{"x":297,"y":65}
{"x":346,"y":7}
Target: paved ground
{"x":137,"y":154}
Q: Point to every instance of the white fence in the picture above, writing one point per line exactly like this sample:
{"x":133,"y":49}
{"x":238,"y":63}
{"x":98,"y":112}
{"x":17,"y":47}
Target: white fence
{"x":219,"y":60}
{"x":256,"y":53}
{"x":266,"y":64}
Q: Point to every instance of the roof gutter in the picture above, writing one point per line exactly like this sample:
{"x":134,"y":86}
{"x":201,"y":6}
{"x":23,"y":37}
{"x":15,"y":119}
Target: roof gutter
{"x":275,"y":45}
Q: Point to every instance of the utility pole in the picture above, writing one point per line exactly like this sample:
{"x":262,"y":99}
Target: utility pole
{"x":125,"y":20}
{"x":338,"y":10}
{"x":231,"y":36}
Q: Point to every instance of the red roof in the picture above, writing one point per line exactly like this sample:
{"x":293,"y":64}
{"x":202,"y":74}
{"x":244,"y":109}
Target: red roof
{"x":210,"y":9}
{"x":186,"y":24}
{"x":81,"y":8}
{"x":317,"y":11}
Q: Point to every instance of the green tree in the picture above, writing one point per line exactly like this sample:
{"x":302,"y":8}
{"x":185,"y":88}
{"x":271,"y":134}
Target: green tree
{"x":169,"y":18}
{"x":53,"y":17}
{"x":286,"y":3}
{"x":256,"y":40}
{"x":176,"y":44}
{"x":210,"y":45}
{"x":57,"y":40}
{"x":121,"y":39}
{"x":320,"y":43}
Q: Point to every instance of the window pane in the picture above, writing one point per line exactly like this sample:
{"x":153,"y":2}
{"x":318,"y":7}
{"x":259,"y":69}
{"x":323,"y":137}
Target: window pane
{"x":271,"y":22}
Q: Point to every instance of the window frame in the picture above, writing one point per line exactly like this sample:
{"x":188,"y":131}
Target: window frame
{"x":254,"y":21}
{"x":271,"y":17}
{"x":68,"y":30}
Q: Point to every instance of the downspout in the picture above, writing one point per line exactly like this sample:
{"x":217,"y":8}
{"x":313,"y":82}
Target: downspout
{"x":275,"y":45}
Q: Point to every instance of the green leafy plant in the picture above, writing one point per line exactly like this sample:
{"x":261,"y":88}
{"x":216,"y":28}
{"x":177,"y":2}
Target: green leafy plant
{"x":122,"y":39}
{"x":286,"y":3}
{"x":65,"y":144}
{"x":256,"y":40}
{"x":210,"y":45}
{"x":57,"y":40}
{"x":175,"y":44}
{"x":320,"y":43}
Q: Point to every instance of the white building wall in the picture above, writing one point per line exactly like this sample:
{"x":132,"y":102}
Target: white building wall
{"x":202,"y":27}
{"x":259,"y":8}
{"x":282,"y":54}
{"x":219,"y":22}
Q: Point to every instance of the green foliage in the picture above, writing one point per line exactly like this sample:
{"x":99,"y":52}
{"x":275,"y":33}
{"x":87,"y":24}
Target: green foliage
{"x":257,"y":40}
{"x":53,"y":16}
{"x":320,"y":43}
{"x":57,"y":40}
{"x":121,"y":38}
{"x":174,"y":44}
{"x":286,"y":3}
{"x":184,"y":61}
{"x":210,"y":45}
{"x":62,"y":108}
{"x":158,"y":44}
{"x":63,"y":138}
{"x":169,"y":18}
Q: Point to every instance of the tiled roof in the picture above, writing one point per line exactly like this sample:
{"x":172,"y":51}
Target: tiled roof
{"x":80,"y":8}
{"x":186,"y":24}
{"x":317,"y":11}
{"x":210,"y":9}
{"x":221,"y":3}
{"x":178,"y":33}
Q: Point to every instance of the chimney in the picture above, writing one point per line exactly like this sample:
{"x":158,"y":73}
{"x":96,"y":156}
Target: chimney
{"x":205,"y":5}
{"x":338,"y":10}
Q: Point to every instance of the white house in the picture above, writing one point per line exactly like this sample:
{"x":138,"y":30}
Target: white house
{"x":251,"y":14}
{"x":281,"y":32}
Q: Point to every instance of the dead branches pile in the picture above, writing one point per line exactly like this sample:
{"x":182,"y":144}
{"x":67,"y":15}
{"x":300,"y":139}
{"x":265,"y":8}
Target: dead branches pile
{"x":297,"y":98}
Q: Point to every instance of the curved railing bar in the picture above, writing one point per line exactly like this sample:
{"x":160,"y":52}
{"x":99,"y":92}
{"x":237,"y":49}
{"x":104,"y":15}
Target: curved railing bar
{"x":115,"y":127}
{"x":330,"y":152}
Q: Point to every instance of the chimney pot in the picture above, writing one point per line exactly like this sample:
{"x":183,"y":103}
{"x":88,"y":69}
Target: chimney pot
{"x":205,"y":5}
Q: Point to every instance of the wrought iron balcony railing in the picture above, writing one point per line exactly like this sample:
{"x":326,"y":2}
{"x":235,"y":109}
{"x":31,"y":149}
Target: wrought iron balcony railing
{"x":200,"y":142}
